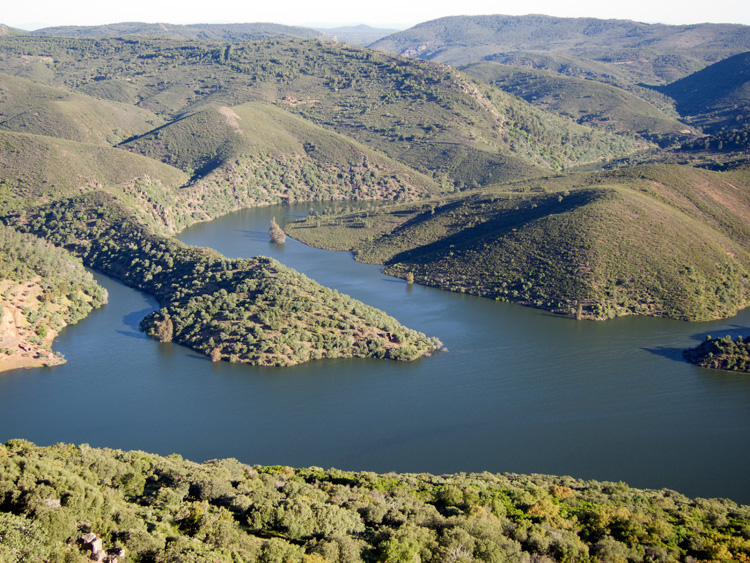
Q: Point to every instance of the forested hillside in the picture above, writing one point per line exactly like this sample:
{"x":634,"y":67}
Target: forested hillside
{"x":168,"y":125}
{"x":665,"y":241}
{"x":55,"y":502}
{"x":253,"y":311}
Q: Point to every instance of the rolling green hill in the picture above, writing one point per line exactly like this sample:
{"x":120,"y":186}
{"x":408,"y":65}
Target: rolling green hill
{"x":35,"y":169}
{"x":586,"y":101}
{"x":648,"y":53}
{"x":666,"y":241}
{"x":30,"y":107}
{"x":716,"y":97}
{"x":412,"y":111}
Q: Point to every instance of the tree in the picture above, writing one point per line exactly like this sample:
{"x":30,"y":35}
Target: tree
{"x":278,"y":236}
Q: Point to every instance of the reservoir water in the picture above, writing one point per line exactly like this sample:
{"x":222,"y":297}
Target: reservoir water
{"x":518,"y":391}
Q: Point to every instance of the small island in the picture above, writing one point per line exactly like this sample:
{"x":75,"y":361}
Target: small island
{"x":721,"y":353}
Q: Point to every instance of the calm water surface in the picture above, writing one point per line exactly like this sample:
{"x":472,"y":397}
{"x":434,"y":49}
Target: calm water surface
{"x":519,"y":390}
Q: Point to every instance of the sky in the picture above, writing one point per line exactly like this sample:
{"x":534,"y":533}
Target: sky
{"x":33,"y":14}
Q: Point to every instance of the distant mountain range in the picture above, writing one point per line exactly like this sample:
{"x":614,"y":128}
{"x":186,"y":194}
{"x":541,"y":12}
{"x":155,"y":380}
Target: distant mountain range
{"x":651,"y":53}
{"x":220,"y":32}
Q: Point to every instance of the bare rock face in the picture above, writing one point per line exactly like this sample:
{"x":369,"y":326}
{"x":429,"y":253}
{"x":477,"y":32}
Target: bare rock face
{"x":93,"y":543}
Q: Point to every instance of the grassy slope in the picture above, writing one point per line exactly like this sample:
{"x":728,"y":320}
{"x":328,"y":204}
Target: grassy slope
{"x":171,"y":510}
{"x":36,"y":169}
{"x":585,"y":101}
{"x":410,"y":110}
{"x":214,"y":138}
{"x":665,"y":241}
{"x":30,"y":107}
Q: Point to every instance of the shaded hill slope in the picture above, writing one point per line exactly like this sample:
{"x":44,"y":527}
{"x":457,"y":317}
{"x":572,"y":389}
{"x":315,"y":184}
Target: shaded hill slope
{"x":664,"y":241}
{"x":586,"y":101}
{"x":649,"y":53}
{"x":717,"y":96}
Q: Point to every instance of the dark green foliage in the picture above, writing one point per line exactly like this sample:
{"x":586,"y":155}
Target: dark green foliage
{"x":226,"y":511}
{"x":732,"y":141}
{"x":255,"y":310}
{"x":721,"y":353}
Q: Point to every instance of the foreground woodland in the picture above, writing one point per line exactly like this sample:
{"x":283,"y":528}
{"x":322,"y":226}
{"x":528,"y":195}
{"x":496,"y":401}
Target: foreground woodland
{"x":168,"y":509}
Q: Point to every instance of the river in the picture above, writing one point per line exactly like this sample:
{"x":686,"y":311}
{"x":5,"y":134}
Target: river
{"x":518,"y":390}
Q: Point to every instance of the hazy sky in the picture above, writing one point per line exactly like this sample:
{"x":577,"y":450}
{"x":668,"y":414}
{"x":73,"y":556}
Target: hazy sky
{"x":42,"y":13}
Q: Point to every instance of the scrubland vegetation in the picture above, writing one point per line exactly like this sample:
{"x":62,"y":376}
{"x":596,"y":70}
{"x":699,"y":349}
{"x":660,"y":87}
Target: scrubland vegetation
{"x":42,"y":290}
{"x":166,"y":509}
{"x":498,"y":185}
{"x":721,"y":353}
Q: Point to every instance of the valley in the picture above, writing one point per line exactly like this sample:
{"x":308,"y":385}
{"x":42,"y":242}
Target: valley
{"x":587,"y":170}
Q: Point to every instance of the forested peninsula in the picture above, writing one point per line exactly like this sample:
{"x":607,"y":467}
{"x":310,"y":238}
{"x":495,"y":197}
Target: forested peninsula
{"x":253,"y":311}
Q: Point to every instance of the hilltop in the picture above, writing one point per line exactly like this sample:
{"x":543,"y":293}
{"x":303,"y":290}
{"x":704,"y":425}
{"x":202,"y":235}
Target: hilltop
{"x":233,"y":32}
